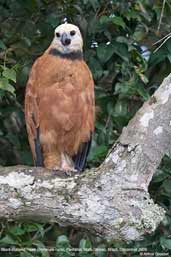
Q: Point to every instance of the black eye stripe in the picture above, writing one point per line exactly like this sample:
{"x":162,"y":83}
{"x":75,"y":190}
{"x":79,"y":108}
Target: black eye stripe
{"x":72,"y":32}
{"x":57,"y":34}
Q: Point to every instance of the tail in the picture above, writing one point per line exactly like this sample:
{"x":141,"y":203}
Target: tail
{"x":38,"y":151}
{"x":81,"y":158}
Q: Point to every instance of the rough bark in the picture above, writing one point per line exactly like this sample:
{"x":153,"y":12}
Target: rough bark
{"x":111,"y":200}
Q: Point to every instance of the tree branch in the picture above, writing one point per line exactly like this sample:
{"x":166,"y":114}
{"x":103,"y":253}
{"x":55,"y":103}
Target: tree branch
{"x":112,"y":200}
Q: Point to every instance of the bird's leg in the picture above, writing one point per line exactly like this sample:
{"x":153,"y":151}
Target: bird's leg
{"x":52,"y":160}
{"x":67,"y":164}
{"x":59,"y":161}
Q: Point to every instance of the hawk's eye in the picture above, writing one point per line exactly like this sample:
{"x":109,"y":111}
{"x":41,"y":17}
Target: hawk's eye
{"x":57,"y":34}
{"x":72,"y":32}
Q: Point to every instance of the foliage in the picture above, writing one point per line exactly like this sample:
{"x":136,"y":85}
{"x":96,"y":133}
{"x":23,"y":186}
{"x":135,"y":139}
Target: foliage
{"x":118,"y":47}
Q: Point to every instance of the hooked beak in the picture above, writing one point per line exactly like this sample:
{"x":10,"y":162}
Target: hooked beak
{"x":65,"y":40}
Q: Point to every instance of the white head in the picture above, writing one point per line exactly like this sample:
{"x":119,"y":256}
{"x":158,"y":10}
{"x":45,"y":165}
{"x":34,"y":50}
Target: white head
{"x":67,"y":38}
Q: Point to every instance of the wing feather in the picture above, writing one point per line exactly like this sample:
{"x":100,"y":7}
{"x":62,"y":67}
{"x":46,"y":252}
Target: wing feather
{"x":80,"y":158}
{"x":32,"y":118}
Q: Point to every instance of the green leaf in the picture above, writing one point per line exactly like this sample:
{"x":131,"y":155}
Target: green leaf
{"x":169,"y":57}
{"x":167,"y":186}
{"x":104,"y":19}
{"x":85,"y":248}
{"x":85,"y":244}
{"x":94,"y":3}
{"x":17,"y":230}
{"x":41,"y":248}
{"x":8,"y":240}
{"x":158,"y":56}
{"x":124,"y":88}
{"x":142,"y":91}
{"x":121,"y":39}
{"x":121,"y":108}
{"x":2,"y":45}
{"x":165,"y":243}
{"x":101,"y":251}
{"x":138,"y":35}
{"x":4,"y":85}
{"x":29,"y":5}
{"x":35,"y":227}
{"x":62,"y":239}
{"x":122,"y":51}
{"x":159,"y":176}
{"x":9,"y":74}
{"x":98,"y":152}
{"x":118,"y":21}
{"x":53,"y":19}
{"x":26,"y":254}
{"x":10,"y":89}
{"x":63,"y":245}
{"x":168,"y":45}
{"x":105,"y":52}
{"x":95,"y":67}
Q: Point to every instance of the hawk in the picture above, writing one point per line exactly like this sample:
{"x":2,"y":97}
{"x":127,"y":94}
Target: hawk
{"x":59,"y":103}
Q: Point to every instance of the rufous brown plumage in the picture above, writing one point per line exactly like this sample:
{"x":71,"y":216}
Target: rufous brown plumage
{"x":59,"y":103}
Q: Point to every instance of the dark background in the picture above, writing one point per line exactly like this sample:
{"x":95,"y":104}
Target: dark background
{"x":118,"y":47}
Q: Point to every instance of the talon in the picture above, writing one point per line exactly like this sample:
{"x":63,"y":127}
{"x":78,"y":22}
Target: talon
{"x":57,"y":170}
{"x":70,"y":171}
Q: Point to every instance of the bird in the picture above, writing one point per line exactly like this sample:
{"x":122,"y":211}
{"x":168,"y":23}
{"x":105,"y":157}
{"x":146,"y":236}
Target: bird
{"x":60,"y":103}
